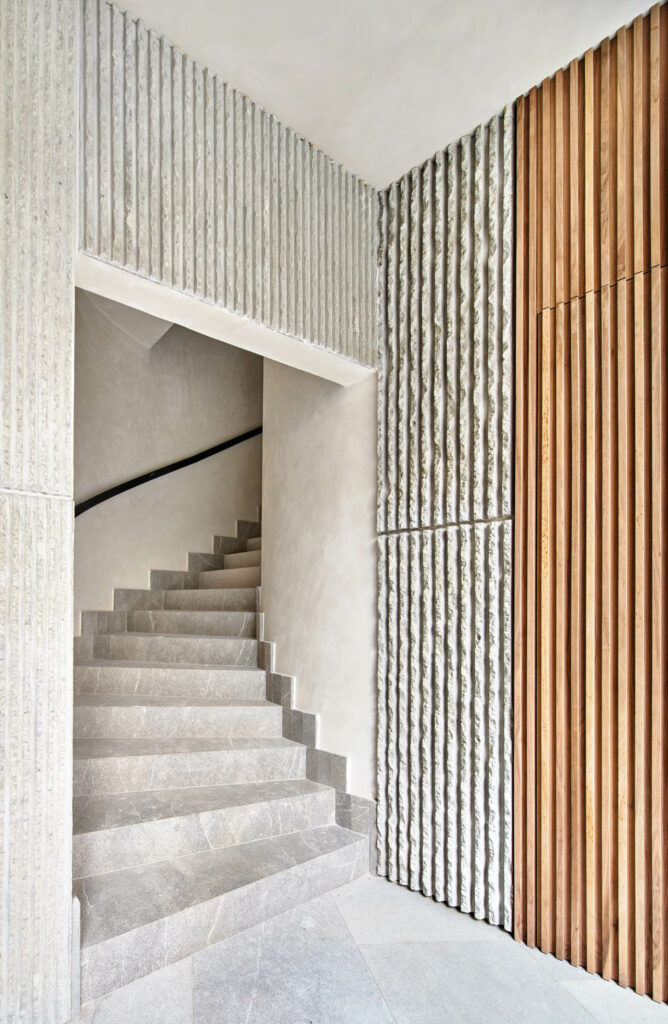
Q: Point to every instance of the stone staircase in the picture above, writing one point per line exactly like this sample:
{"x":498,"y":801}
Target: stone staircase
{"x":193,"y":816}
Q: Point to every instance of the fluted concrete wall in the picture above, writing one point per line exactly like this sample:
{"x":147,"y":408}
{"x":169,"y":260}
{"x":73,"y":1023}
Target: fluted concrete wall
{"x":37,"y":186}
{"x":444,"y":519}
{"x":186,"y":181}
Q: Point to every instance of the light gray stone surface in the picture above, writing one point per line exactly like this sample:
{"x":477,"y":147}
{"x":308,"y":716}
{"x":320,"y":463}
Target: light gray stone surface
{"x":221,"y":893}
{"x":302,"y":966}
{"x":168,"y":579}
{"x":201,"y":561}
{"x":128,"y":765}
{"x":323,"y":961}
{"x":38,"y":68}
{"x":197,"y":621}
{"x":175,"y":648}
{"x":247,"y":576}
{"x":108,"y":715}
{"x":239,"y":599}
{"x":445,"y":524}
{"x":151,"y":679}
{"x":124,"y":830}
{"x":165,"y":997}
{"x":253,"y":217}
{"x":243,"y":559}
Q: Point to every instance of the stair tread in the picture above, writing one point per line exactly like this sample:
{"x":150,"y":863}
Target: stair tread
{"x":133,"y":634}
{"x":96,"y":813}
{"x":132,"y":700}
{"x":174,"y":666}
{"x":150,"y":746}
{"x":119,"y":902}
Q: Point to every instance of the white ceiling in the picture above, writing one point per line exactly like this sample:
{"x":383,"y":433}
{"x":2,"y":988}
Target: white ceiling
{"x":381,"y":84}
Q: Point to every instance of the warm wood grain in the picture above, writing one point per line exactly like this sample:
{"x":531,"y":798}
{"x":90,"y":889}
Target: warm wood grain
{"x":591,"y":584}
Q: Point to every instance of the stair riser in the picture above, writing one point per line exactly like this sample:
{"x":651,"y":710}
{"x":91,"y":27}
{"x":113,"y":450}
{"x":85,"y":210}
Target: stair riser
{"x":118,"y":961}
{"x":247,"y":529}
{"x":199,"y":650}
{"x":115,"y":722}
{"x":168,"y":682}
{"x":201,"y":561}
{"x":240,"y":561}
{"x":254,"y":543}
{"x":227,"y":545}
{"x":246,"y":577}
{"x":129,"y":774}
{"x":226,"y":624}
{"x":112,"y":849}
{"x":168,"y":579}
{"x":232,"y":600}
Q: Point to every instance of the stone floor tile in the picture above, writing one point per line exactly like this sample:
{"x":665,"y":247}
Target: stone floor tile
{"x":164,"y":997}
{"x":302,"y":966}
{"x":469,"y":983}
{"x":610,"y":1004}
{"x":376,"y":910}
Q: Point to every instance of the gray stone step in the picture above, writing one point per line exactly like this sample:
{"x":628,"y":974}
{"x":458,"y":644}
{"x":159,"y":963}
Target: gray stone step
{"x":131,"y":764}
{"x":116,"y":715}
{"x":226,"y":545}
{"x":247,"y":529}
{"x":200,"y":623}
{"x":208,"y":650}
{"x":246,"y":577}
{"x":237,"y":599}
{"x":136,"y":920}
{"x":153,"y":679}
{"x":173,"y":579}
{"x":200,"y":561}
{"x":254,"y":543}
{"x":243,"y":559}
{"x":122,"y":830}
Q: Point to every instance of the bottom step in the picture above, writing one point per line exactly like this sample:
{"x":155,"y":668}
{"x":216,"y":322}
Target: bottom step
{"x":140,"y":919}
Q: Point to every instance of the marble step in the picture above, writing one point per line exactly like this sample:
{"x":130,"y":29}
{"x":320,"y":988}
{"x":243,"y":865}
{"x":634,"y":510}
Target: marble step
{"x":173,"y":579}
{"x":236,"y":599}
{"x":197,"y":622}
{"x":254,"y":543}
{"x":153,"y":679}
{"x":141,"y":763}
{"x":249,"y":576}
{"x":246,"y":529}
{"x":200,"y":561}
{"x":209,"y":650}
{"x":242,"y":560}
{"x":115,"y":715}
{"x":139,"y":919}
{"x":123,"y":830}
{"x":227,"y":545}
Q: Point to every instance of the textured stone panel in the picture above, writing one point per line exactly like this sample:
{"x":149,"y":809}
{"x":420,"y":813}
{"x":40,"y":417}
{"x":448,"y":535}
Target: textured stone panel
{"x":188,"y":182}
{"x":444,"y":291}
{"x":36,"y":713}
{"x":444,"y":716}
{"x":445,"y":346}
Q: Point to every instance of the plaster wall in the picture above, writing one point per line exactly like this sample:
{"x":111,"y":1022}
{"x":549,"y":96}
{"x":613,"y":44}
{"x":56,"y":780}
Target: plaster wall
{"x":137,"y":409}
{"x":319,"y":555}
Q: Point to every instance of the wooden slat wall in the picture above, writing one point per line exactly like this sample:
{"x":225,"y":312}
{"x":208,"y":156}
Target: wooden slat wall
{"x":591,"y":586}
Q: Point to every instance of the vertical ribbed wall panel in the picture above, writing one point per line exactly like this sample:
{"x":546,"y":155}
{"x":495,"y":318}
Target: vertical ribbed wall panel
{"x":38,"y":78}
{"x":188,"y":182}
{"x":445,"y":374}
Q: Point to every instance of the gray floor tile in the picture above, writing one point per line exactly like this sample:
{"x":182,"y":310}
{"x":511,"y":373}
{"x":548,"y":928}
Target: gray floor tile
{"x":300,"y":967}
{"x":376,"y":910}
{"x":164,"y":997}
{"x":610,"y":1004}
{"x":469,"y":983}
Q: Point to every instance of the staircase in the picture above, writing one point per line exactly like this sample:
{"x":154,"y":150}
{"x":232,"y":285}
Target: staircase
{"x":193,"y":817}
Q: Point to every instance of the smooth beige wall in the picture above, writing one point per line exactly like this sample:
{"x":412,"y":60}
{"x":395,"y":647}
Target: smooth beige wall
{"x":138,"y":408}
{"x":319,"y":555}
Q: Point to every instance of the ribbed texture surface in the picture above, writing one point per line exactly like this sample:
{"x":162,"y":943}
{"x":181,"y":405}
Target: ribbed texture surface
{"x":36,"y":696}
{"x":444,"y":609}
{"x":188,"y":182}
{"x":591,"y":600}
{"x":37,"y":125}
{"x":37,"y":240}
{"x":445,"y":360}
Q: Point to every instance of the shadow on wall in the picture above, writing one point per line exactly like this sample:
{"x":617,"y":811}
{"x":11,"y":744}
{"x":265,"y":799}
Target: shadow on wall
{"x":148,"y":393}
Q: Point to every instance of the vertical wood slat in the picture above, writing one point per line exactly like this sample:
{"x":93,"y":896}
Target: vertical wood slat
{"x":590,"y":478}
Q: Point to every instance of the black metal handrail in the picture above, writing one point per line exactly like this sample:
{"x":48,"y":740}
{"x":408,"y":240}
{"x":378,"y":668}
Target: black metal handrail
{"x":111,"y":492}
